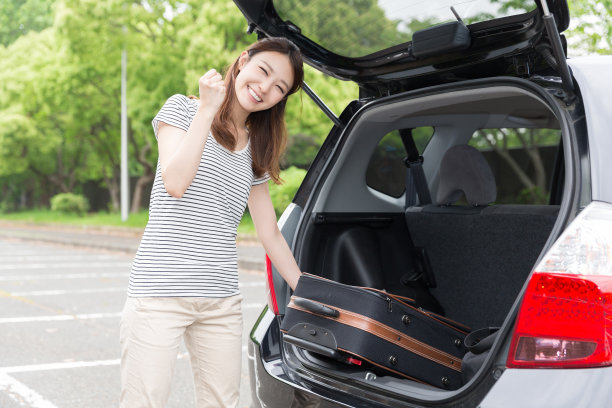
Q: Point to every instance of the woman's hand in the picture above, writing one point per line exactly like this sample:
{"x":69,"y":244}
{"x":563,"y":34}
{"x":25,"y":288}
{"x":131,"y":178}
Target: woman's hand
{"x":212,"y":90}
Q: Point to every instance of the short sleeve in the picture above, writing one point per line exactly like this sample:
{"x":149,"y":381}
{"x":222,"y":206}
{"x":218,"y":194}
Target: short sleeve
{"x":175,"y":112}
{"x":262,"y":179}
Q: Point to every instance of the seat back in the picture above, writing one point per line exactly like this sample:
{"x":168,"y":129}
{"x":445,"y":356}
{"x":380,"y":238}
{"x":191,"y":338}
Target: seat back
{"x":480,"y":254}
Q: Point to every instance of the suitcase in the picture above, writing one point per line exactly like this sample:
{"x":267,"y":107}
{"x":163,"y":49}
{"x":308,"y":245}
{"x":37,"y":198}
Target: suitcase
{"x":364,"y":325}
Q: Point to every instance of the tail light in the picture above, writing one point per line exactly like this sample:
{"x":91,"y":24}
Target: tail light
{"x":272,"y":305}
{"x":565,"y":319}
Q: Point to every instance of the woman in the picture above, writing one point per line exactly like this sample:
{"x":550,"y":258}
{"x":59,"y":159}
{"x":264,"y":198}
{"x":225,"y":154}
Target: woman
{"x":215,"y":156}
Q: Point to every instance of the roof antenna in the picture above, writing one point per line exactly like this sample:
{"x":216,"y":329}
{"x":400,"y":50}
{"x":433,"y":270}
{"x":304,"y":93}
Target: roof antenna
{"x":456,"y":14}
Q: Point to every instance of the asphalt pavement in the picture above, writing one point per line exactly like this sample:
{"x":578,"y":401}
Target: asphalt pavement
{"x":61,"y":294}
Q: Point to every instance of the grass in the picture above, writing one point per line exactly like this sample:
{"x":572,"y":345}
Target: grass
{"x":113,"y":219}
{"x":101,"y":219}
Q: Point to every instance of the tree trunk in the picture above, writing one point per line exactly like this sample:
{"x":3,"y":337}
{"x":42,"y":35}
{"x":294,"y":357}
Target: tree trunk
{"x":148,"y":173}
{"x":139,"y":189}
{"x":534,"y":154}
{"x":113,"y":186}
{"x":505,"y":154}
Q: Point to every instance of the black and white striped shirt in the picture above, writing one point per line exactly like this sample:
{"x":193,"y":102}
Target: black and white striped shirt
{"x":188,"y":248}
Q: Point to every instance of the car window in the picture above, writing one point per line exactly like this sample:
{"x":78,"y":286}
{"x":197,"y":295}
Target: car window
{"x":359,"y":28}
{"x":386,"y":171}
{"x":522,"y":160}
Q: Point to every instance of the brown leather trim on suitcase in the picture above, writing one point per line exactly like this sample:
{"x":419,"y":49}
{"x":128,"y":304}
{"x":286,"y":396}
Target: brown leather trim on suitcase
{"x":389,"y":334}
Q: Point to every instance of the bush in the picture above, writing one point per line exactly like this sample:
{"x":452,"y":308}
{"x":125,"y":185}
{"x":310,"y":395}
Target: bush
{"x":533,"y":195}
{"x":69,"y":203}
{"x":283,"y":194}
{"x":301,"y":151}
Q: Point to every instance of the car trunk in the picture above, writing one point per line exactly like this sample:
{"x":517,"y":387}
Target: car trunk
{"x":480,"y":258}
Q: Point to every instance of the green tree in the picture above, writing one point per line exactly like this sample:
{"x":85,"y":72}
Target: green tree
{"x":352,"y":28}
{"x":590,"y":30}
{"x":591,"y":26}
{"x":37,"y":133}
{"x":18,"y":17}
{"x":502,"y":141}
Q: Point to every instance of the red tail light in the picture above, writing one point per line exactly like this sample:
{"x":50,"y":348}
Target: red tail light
{"x":565,"y":319}
{"x":272,"y":305}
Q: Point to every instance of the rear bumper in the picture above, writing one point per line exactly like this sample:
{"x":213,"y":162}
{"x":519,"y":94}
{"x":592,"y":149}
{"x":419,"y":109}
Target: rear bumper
{"x":525,"y":388}
{"x":273,"y":385}
{"x":274,"y":390}
{"x":279,"y":379}
{"x":267,"y":390}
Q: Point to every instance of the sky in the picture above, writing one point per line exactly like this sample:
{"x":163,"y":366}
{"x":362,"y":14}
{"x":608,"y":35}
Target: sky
{"x":440,"y":9}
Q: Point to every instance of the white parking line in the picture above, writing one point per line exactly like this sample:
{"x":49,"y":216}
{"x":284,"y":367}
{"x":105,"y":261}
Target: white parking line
{"x":30,"y":319}
{"x":68,"y":292}
{"x":90,"y":316}
{"x":58,"y":366}
{"x":102,"y":290}
{"x":87,"y":265}
{"x":252,"y":284}
{"x":39,"y":258}
{"x":16,"y":251}
{"x":22,"y":394}
{"x":64,"y":276}
{"x":71,"y":364}
{"x":252,"y":305}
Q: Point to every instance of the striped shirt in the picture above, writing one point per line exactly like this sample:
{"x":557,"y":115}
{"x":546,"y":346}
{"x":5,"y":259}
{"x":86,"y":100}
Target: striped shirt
{"x":188,"y":248}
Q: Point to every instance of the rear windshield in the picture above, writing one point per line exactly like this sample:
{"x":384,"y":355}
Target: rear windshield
{"x":355,"y":28}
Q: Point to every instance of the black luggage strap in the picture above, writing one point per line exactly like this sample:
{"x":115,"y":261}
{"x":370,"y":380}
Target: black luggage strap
{"x":480,"y":340}
{"x":416,"y":184}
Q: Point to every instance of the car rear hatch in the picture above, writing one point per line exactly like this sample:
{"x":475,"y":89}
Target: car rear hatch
{"x":388,"y":46}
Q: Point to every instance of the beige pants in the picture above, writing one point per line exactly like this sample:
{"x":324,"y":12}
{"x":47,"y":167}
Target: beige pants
{"x":150,"y":335}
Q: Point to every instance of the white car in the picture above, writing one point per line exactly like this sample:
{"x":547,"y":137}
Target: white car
{"x":507,"y":221}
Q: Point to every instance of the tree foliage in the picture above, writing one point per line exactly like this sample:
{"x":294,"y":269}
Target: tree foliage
{"x":504,"y":140}
{"x":18,"y":17}
{"x":352,"y":28}
{"x":591,"y":26}
{"x":60,"y":88}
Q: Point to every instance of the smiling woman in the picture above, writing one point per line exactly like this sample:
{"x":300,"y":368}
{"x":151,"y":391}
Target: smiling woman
{"x":216,"y":154}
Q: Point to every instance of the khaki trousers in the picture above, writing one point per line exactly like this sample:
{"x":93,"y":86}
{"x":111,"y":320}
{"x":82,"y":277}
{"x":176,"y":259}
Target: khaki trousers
{"x":150,"y":335}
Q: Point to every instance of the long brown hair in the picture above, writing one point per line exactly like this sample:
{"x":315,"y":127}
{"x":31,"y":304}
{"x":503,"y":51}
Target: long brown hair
{"x":267,"y":130}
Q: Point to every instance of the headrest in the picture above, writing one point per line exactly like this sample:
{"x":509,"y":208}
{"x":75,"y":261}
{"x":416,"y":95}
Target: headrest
{"x":465,"y":170}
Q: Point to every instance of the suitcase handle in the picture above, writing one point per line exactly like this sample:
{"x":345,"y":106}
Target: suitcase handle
{"x":315,"y":307}
{"x":314,"y":347}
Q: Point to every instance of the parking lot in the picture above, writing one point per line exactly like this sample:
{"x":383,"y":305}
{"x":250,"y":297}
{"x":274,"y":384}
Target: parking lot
{"x":59,"y":320}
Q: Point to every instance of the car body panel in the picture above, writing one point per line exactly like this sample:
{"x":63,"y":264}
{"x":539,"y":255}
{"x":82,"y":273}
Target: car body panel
{"x":575,"y":388}
{"x":592,"y":75}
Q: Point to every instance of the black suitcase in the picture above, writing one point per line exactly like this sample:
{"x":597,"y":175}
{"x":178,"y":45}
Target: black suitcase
{"x":355,"y":325}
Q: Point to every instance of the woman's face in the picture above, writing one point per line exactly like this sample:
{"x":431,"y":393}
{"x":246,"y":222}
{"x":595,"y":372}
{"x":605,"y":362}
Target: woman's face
{"x":263,"y":81}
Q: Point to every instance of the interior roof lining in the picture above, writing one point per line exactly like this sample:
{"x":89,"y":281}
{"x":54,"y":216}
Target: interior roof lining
{"x":492,"y":100}
{"x":344,"y":192}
